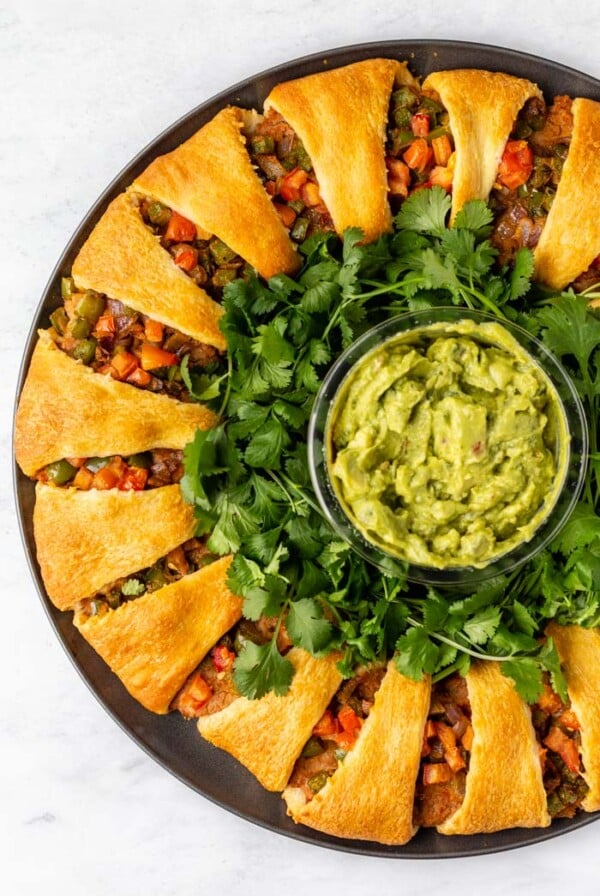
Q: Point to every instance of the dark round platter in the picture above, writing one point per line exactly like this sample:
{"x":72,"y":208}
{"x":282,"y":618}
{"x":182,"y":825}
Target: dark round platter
{"x":170,"y":740}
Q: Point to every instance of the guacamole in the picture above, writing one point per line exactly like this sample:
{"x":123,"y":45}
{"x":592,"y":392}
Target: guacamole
{"x":448,"y":445}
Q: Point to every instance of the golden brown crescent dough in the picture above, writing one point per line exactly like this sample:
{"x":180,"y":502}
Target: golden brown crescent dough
{"x":504,"y":783}
{"x":341,"y":117}
{"x":482,"y":108}
{"x":210,"y":180}
{"x":371,"y":794}
{"x":579,"y":652}
{"x":123,"y":259}
{"x":154,"y":643}
{"x":570,"y":240}
{"x":85,"y":540}
{"x":67,"y":410}
{"x":267,"y":735}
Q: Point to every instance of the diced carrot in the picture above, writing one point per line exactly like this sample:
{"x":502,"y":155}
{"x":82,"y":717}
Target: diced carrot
{"x":105,"y":326}
{"x":83,"y":479}
{"x":139,"y":377}
{"x":516,"y":164}
{"x":186,"y":257}
{"x":441,"y":177}
{"x":559,"y":742}
{"x":154,"y":330}
{"x":286,"y":213}
{"x":153,"y":357}
{"x":398,"y":177}
{"x":436,"y":773}
{"x":419,"y":155}
{"x":309,"y":193}
{"x":76,"y":461}
{"x":442,"y":149}
{"x":420,"y":124}
{"x":123,"y":364}
{"x":179,"y":229}
{"x":326,"y":725}
{"x":345,"y":739}
{"x":291,"y":184}
{"x":349,"y":720}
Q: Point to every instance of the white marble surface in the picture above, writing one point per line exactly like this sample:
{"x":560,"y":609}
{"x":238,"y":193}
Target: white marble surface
{"x":85,"y":85}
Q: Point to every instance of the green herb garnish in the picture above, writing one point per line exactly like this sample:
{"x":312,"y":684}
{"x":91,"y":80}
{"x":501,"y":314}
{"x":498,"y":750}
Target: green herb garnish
{"x":249,"y":482}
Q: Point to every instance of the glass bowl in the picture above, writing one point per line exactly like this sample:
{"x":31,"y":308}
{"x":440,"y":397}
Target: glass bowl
{"x":571,"y":449}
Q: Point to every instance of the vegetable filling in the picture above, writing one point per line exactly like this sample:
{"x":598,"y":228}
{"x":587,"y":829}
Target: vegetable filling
{"x":181,"y":561}
{"x":420,"y":148}
{"x":145,"y":470}
{"x":447,"y":743}
{"x":113,"y":339}
{"x":288,"y":176}
{"x":529,"y":173}
{"x":558,"y":732}
{"x":337,"y":731}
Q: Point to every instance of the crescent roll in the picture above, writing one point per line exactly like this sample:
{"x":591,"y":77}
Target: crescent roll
{"x":124,"y":260}
{"x":579,"y":652}
{"x":67,"y":410}
{"x":570,"y":240}
{"x":482,"y":108}
{"x":341,"y":116}
{"x":267,"y":735}
{"x":154,"y":642}
{"x":371,"y":794}
{"x":210,"y":180}
{"x":88,"y":538}
{"x":504,"y":786}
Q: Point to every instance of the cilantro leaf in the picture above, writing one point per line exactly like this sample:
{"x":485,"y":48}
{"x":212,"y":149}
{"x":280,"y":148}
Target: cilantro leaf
{"x":527,"y":676}
{"x":425,"y":212}
{"x":306,"y":626}
{"x":416,"y":654}
{"x":260,"y":668}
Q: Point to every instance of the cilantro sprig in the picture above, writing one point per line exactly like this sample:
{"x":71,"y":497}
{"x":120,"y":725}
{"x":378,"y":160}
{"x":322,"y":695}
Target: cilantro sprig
{"x":249,"y":483}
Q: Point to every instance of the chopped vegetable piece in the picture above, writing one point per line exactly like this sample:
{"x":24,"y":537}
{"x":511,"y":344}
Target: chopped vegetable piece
{"x":133,"y":480}
{"x":85,"y":350}
{"x":441,"y":177}
{"x":222,"y":658}
{"x":286,"y":213}
{"x":292,"y":184}
{"x":186,"y":257}
{"x":139,"y":377}
{"x":310,"y":194}
{"x":60,"y":472}
{"x":418,"y":156}
{"x":59,"y":321}
{"x":420,"y":124}
{"x":84,"y":479}
{"x":80,"y":328}
{"x":516,"y":164}
{"x":91,"y":306}
{"x":158,"y":214}
{"x":442,"y":149}
{"x":105,"y":478}
{"x":559,"y":742}
{"x":326,"y":726}
{"x":124,"y":364}
{"x":106,"y":327}
{"x":179,"y":229}
{"x":153,"y":357}
{"x":154,"y":330}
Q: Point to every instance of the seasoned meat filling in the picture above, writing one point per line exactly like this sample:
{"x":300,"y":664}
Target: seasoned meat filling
{"x":336,"y":732}
{"x":113,"y":339}
{"x":447,"y":743}
{"x":180,"y":562}
{"x":558,"y":733}
{"x":529,"y":173}
{"x":288,"y":176}
{"x":419,"y":149}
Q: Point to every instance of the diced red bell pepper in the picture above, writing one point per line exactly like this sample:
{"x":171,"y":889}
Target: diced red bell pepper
{"x":105,"y":326}
{"x":292,"y":183}
{"x":222,"y":658}
{"x":516,"y":164}
{"x":186,"y":257}
{"x":193,"y":697}
{"x":133,"y":480}
{"x":179,"y":229}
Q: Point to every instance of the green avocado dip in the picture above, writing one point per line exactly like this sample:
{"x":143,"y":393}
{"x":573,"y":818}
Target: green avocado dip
{"x":448,"y":445}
